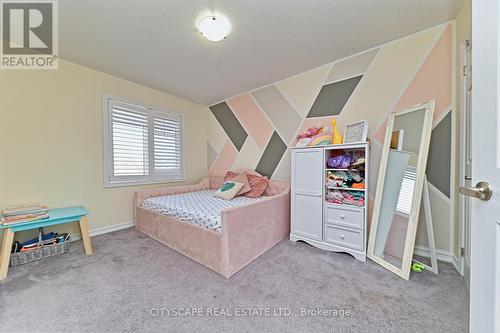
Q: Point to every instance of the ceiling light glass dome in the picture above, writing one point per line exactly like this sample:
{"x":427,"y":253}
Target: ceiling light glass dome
{"x":214,"y":27}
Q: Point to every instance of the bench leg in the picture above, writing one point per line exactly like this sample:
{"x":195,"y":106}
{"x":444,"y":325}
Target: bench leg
{"x":8,"y":238}
{"x":84,"y":231}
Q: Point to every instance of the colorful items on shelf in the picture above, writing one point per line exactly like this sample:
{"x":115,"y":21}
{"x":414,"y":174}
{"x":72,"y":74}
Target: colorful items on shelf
{"x":315,"y":136}
{"x":24,"y":213}
{"x":354,"y":198}
{"x":344,"y":160}
{"x":305,"y":138}
{"x":321,"y":140}
{"x":360,"y":161}
{"x":345,"y":179}
{"x":358,"y":186}
{"x":336,"y":137}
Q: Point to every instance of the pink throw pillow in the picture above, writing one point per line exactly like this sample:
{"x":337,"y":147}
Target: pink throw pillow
{"x":229,"y":175}
{"x":258,"y":185}
{"x":240,"y":178}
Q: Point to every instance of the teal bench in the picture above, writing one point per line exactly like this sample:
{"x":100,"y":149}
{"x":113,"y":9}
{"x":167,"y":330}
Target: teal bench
{"x":56,"y":216}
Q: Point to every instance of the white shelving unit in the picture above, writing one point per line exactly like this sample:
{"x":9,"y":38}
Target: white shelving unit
{"x":338,"y":227}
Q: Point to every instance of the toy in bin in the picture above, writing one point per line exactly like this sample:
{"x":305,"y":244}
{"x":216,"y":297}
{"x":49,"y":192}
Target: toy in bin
{"x":44,"y":246}
{"x":42,"y":240}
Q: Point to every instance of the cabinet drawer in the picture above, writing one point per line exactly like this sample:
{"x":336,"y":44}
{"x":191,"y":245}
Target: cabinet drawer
{"x":352,"y":238}
{"x":345,"y":216}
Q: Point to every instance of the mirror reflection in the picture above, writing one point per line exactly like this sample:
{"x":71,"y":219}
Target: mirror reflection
{"x":399,"y":184}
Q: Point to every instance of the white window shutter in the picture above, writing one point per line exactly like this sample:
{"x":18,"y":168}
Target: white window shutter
{"x":143,"y":145}
{"x":130,"y":143}
{"x":167,"y":147}
{"x":406,"y":192}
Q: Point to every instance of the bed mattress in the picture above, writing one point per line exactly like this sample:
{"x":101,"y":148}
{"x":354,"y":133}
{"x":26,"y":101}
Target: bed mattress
{"x":200,"y":207}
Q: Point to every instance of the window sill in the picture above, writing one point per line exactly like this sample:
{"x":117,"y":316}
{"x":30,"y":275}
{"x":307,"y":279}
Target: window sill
{"x":129,"y":183}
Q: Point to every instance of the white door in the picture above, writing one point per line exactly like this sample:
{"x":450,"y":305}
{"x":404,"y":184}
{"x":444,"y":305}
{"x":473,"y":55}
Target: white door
{"x":485,"y":215}
{"x":466,"y":156}
{"x":307,"y":193}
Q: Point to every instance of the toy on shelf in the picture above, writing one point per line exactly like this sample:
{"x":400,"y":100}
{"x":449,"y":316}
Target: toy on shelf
{"x":345,"y":179}
{"x":305,"y":138}
{"x":352,"y":198}
{"x":324,"y":139}
{"x":336,"y":137}
{"x":314,"y":136}
{"x":340,"y":162}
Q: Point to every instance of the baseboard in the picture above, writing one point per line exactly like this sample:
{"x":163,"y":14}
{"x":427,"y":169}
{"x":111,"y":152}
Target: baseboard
{"x":458,"y":263}
{"x":441,"y":255}
{"x":105,"y":230}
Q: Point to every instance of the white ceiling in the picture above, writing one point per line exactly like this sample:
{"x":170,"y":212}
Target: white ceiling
{"x":155,"y":42}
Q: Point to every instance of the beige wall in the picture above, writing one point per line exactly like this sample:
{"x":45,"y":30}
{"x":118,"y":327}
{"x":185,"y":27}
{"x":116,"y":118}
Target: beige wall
{"x":51,"y":140}
{"x":463,"y":30}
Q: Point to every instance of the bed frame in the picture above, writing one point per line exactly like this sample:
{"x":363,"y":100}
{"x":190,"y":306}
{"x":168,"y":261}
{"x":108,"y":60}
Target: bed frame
{"x":247,"y":231}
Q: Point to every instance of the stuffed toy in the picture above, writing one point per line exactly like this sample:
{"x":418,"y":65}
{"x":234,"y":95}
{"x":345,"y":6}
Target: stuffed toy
{"x":310,"y":132}
{"x":337,"y":137}
{"x":307,"y":138}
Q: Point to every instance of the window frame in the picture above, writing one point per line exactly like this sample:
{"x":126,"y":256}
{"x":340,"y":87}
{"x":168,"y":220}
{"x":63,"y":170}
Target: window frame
{"x":154,"y":177}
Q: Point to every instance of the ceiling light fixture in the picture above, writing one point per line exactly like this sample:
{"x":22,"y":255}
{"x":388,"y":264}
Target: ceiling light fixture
{"x":214,"y":27}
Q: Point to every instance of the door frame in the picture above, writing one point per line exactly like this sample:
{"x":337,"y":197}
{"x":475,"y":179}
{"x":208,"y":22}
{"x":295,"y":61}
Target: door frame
{"x":463,"y":129}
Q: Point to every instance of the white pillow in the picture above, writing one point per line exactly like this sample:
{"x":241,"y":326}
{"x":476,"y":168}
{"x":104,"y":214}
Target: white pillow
{"x":229,"y":190}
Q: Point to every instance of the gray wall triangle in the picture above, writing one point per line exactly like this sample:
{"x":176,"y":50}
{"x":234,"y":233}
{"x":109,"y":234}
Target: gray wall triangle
{"x":230,"y":124}
{"x":271,"y":156}
{"x":439,"y":161}
{"x":333,"y":97}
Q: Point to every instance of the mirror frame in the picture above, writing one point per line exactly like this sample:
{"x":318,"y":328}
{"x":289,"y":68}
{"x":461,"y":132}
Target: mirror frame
{"x":411,"y":231}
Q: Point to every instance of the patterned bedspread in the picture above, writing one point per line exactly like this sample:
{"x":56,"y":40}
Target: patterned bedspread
{"x":200,"y":207}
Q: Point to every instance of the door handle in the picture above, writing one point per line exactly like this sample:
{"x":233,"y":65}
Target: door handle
{"x":482,"y":191}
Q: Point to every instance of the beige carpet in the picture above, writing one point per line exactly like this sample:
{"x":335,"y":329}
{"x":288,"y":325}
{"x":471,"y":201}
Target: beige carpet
{"x":134,"y":284}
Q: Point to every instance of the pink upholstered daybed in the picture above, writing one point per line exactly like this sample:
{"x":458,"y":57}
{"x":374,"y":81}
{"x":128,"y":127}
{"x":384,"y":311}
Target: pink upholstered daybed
{"x":247,"y":231}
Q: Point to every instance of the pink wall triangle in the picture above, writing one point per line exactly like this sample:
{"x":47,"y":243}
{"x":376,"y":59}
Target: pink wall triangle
{"x":432,"y":81}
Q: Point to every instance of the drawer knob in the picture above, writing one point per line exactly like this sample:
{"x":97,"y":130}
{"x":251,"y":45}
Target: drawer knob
{"x":342,"y":236}
{"x":342,"y":216}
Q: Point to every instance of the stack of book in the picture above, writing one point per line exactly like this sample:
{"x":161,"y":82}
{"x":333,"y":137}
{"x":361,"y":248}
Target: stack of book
{"x":21,"y":214}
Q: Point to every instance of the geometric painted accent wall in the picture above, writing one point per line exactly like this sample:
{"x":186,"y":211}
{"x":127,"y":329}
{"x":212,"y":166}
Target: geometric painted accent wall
{"x":260,"y":126}
{"x":256,"y":130}
{"x":279,"y":111}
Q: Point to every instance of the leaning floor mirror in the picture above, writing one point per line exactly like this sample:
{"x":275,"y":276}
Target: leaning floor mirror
{"x":399,"y":188}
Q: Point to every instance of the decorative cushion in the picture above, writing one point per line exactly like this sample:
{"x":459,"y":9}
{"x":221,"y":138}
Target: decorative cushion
{"x":229,"y":190}
{"x":258,"y":185}
{"x":240,"y":178}
{"x":230,"y":175}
